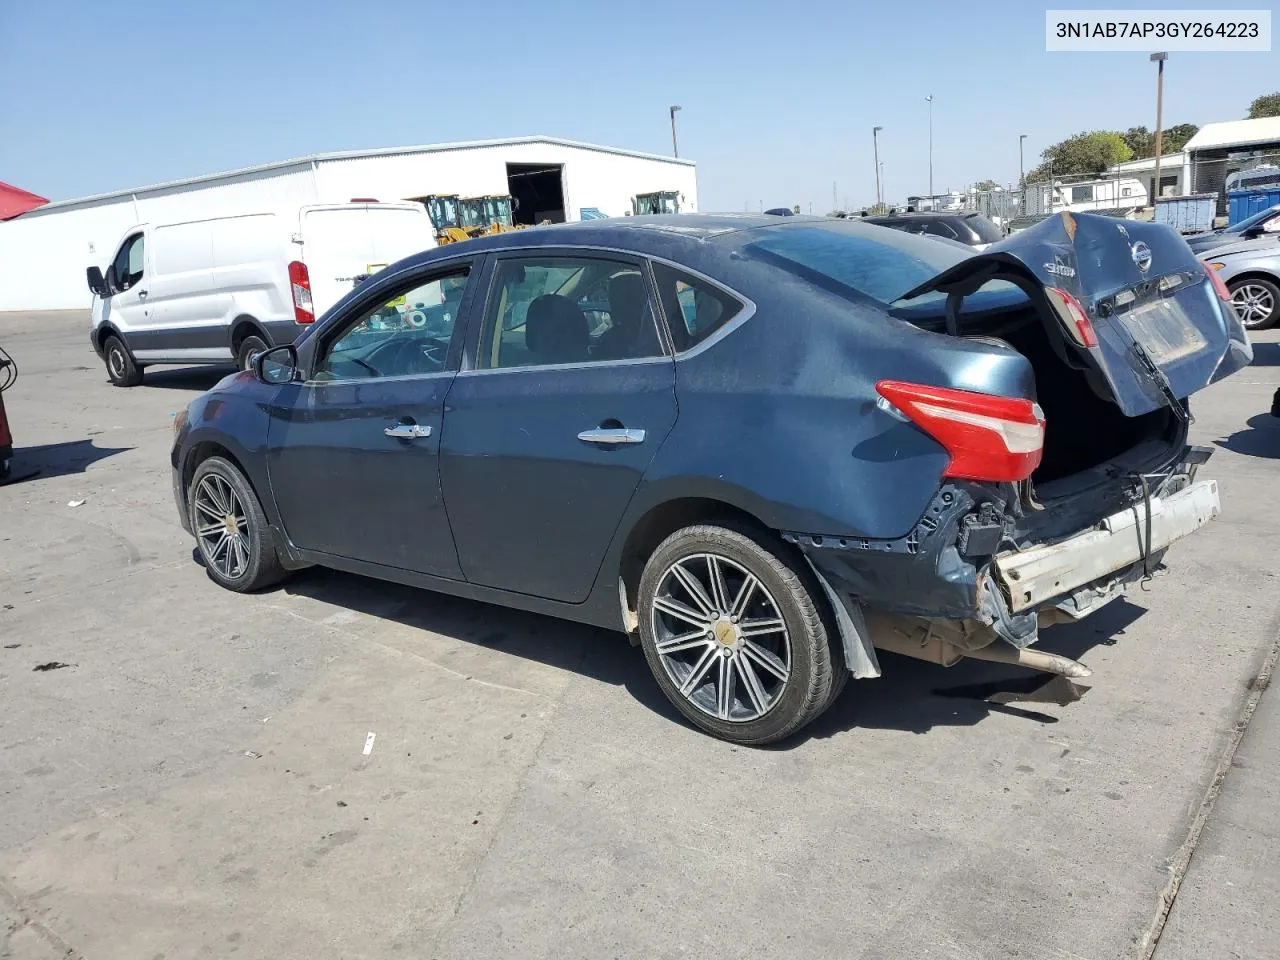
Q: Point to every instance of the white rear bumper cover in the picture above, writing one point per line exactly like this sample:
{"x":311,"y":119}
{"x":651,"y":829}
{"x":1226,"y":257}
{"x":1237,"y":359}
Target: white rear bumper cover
{"x":1029,"y":578}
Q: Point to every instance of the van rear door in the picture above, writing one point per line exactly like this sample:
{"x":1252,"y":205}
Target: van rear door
{"x":342,"y":242}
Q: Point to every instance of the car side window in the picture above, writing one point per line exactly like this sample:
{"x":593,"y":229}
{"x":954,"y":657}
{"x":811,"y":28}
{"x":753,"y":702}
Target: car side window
{"x":406,"y":335}
{"x":127,"y":266}
{"x":940,"y":228}
{"x":695,"y":309}
{"x":554,"y":310}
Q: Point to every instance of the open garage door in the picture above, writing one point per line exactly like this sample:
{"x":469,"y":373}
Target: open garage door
{"x":538,"y":192}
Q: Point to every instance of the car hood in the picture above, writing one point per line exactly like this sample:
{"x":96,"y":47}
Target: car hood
{"x":1207,"y":241}
{"x":1162,"y":332}
{"x":1268,"y":243}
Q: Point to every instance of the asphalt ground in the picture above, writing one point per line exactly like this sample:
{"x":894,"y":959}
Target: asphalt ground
{"x":193,"y":782}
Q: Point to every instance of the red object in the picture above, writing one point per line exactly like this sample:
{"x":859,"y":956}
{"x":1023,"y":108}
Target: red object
{"x":989,"y":438}
{"x":300,"y":283}
{"x":1084,"y":333}
{"x":14,"y":202}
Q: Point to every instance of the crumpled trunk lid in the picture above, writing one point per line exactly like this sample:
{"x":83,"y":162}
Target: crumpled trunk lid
{"x":1162,"y":331}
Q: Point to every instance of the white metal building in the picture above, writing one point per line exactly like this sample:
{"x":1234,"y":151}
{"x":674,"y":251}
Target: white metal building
{"x":44,"y":253}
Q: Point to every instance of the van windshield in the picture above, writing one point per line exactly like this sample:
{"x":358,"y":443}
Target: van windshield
{"x":861,"y":259}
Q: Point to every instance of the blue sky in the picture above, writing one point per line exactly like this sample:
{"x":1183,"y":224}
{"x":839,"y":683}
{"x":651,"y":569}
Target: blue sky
{"x":778,"y":98}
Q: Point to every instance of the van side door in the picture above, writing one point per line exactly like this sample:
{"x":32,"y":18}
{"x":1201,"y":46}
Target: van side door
{"x":185,"y":322}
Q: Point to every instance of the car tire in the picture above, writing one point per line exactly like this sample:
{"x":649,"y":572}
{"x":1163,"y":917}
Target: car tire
{"x":218,"y":496}
{"x":122,"y":369}
{"x":248,"y":347}
{"x":1257,"y":302}
{"x":781,"y":675}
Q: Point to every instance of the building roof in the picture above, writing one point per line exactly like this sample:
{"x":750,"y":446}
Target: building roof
{"x":1168,"y":160}
{"x":1236,"y":133}
{"x":315,"y":158}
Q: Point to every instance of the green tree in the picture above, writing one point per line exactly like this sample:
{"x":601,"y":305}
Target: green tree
{"x":1175,"y":138}
{"x":1267,"y":105}
{"x":985,"y":185}
{"x":1089,"y":152}
{"x":1141,"y":141}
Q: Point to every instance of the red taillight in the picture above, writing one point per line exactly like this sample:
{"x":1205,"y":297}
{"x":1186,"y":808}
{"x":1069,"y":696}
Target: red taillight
{"x":300,"y":284}
{"x":1219,"y":287}
{"x":989,"y":438}
{"x":1075,"y":319}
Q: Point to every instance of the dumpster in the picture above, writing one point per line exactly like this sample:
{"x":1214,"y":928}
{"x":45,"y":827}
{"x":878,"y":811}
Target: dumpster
{"x":1243,"y":204}
{"x":1191,"y":214}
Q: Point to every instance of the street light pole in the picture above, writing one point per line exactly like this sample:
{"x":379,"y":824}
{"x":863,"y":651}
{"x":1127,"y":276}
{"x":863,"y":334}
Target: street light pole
{"x":875,"y":147}
{"x":1159,"y":59}
{"x":929,"y":100}
{"x":675,"y":149}
{"x":1022,"y":170}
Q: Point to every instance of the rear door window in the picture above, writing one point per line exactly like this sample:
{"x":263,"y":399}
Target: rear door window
{"x":695,"y":309}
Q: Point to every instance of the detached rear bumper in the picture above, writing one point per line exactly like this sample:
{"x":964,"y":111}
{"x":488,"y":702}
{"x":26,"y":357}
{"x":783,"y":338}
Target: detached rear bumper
{"x":1030,"y":578}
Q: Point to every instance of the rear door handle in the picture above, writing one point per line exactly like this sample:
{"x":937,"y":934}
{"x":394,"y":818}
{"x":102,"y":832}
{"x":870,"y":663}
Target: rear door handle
{"x":612,"y":435}
{"x":407,"y":431}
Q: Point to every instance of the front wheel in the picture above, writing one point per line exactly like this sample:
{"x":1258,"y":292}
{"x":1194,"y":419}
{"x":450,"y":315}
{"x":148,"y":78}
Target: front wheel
{"x":734,"y":636}
{"x":1255,"y":301}
{"x":122,"y":369}
{"x":232,"y":532}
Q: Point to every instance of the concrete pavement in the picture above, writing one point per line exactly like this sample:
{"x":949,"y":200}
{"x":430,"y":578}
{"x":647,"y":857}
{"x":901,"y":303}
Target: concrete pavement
{"x":194,"y":784}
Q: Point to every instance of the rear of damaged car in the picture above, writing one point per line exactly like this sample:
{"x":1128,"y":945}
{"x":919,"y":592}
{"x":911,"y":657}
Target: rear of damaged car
{"x":1057,"y":437}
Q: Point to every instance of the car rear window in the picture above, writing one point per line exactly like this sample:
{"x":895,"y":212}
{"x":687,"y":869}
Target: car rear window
{"x":987,"y":231}
{"x":879,"y":264}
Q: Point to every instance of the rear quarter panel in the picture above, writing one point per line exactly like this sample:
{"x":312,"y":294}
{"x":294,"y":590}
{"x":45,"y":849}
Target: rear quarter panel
{"x":779,"y":417}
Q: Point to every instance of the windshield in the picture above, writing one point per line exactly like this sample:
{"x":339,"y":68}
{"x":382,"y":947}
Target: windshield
{"x":1256,"y":219}
{"x":498,"y":210}
{"x":854,"y":257}
{"x":473,"y":213}
{"x":443,"y":211}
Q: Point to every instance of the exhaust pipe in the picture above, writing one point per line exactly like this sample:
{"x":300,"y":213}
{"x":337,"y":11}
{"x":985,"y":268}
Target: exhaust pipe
{"x":924,"y":641}
{"x":1033,"y":659}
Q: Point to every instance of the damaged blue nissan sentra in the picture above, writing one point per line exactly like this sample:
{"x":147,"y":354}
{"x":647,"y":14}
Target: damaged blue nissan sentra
{"x":762,"y":447}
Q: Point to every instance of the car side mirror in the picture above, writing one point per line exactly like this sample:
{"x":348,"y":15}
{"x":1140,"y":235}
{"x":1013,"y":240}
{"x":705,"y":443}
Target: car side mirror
{"x":277,"y":366}
{"x":97,"y":283}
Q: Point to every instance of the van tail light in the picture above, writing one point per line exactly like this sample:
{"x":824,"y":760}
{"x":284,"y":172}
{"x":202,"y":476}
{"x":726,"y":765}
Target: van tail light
{"x":1074,"y":317}
{"x":1219,"y":287}
{"x":999,"y":439}
{"x":300,"y":284}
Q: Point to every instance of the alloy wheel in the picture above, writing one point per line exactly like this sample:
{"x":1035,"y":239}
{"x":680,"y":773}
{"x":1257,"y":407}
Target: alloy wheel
{"x":221,"y":526}
{"x":1254,"y":303}
{"x":721,"y":637}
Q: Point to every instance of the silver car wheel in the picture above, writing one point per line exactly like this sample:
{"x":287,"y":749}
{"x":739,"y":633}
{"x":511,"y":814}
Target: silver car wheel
{"x":1254,"y":303}
{"x":221,"y":527}
{"x":721,"y":637}
{"x":115,"y":362}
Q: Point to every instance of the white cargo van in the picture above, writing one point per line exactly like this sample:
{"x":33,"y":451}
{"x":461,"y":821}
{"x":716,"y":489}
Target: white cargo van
{"x":221,"y":289}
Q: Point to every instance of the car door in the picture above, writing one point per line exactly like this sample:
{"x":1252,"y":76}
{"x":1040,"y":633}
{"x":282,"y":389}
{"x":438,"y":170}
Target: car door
{"x":353,"y":452}
{"x":570,"y":393}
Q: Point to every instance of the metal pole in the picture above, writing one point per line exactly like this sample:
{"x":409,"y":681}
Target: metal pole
{"x":835,"y":204}
{"x":675,"y":149}
{"x":929,"y":99}
{"x":1022,"y":170}
{"x":875,"y":147}
{"x":1159,"y":58}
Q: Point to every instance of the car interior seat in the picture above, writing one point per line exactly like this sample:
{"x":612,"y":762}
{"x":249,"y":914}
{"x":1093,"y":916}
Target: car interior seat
{"x":556,"y":330}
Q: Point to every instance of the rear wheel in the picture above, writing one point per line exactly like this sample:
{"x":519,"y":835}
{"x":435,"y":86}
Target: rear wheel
{"x":249,"y":347}
{"x":122,"y":370}
{"x":734,"y":636}
{"x":231,"y":530}
{"x":1255,"y":301}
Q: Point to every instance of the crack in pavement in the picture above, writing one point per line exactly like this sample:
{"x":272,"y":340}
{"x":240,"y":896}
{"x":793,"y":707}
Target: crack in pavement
{"x":1182,"y":860}
{"x":67,"y":951}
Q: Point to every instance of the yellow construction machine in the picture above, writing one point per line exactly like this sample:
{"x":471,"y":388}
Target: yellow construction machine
{"x":662,"y":201}
{"x":444,"y":211}
{"x":485,"y":216}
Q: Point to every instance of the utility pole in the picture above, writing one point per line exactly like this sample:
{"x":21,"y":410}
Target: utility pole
{"x":675,"y":149}
{"x":1159,"y":59}
{"x":1022,"y":170}
{"x":875,"y":148}
{"x":929,"y":100}
{"x":835,"y":204}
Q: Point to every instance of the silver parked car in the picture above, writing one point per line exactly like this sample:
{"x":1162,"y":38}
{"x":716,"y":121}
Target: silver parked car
{"x":1250,"y":267}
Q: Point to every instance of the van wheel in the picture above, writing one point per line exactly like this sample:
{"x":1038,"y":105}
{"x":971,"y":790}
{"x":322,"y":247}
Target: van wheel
{"x":248,"y":347}
{"x":735,"y":635}
{"x":121,"y":368}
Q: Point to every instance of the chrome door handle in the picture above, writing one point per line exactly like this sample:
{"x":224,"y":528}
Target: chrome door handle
{"x":612,"y":435}
{"x":407,"y":431}
{"x":142,"y":294}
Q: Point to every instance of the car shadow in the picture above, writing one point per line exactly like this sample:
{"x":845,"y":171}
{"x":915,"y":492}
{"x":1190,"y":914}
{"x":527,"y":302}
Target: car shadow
{"x":198,"y":379}
{"x":911,"y":695}
{"x":57,"y":459}
{"x":1266,"y":354}
{"x":1262,"y":439}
